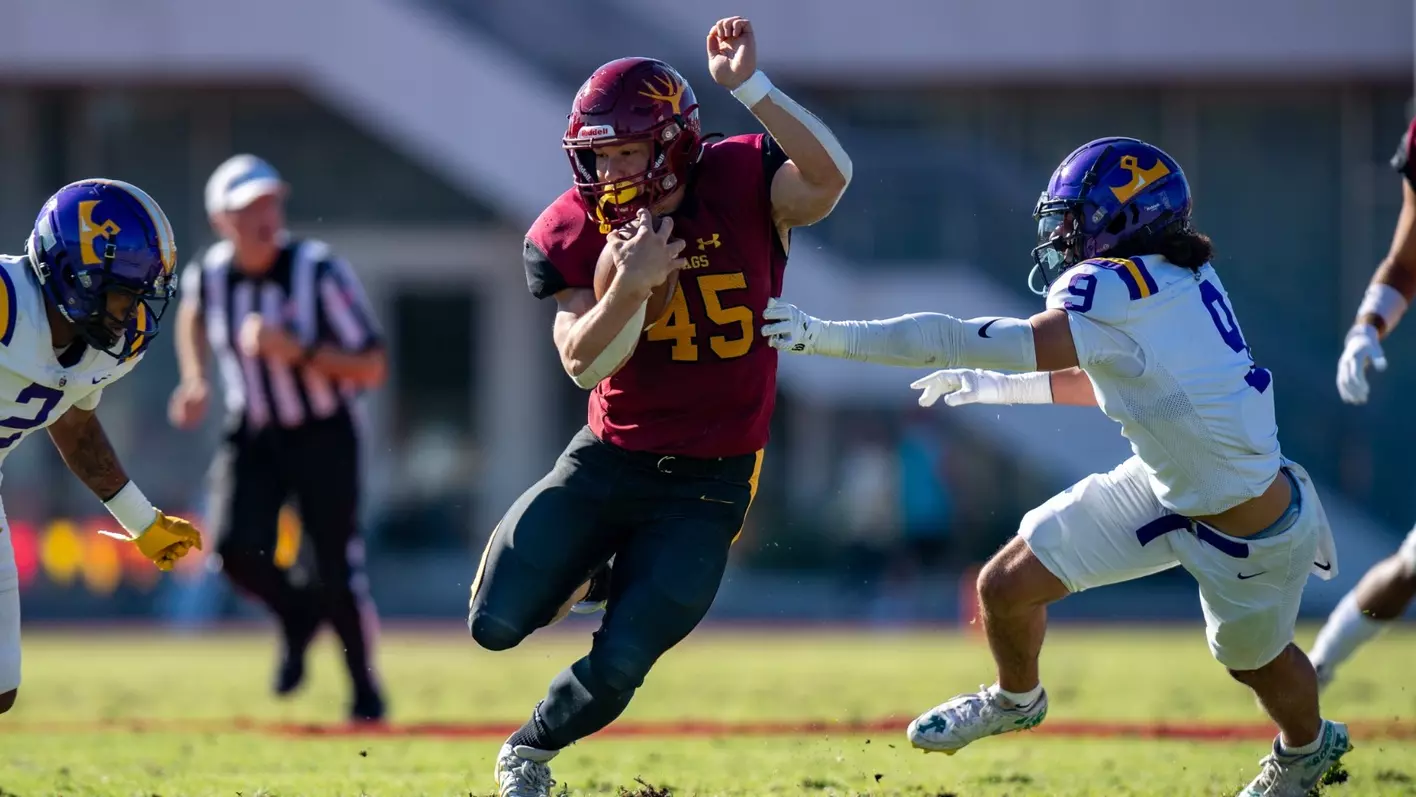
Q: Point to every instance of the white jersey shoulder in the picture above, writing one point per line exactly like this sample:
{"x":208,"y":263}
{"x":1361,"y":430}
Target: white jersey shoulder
{"x":1196,"y":408}
{"x":35,"y":389}
{"x":1102,"y":289}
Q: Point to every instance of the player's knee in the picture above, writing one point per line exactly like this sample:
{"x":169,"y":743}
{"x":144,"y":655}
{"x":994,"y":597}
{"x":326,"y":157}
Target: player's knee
{"x":7,"y":700}
{"x":1249,"y":665}
{"x":1014,"y":578}
{"x":492,"y":632}
{"x":620,"y":669}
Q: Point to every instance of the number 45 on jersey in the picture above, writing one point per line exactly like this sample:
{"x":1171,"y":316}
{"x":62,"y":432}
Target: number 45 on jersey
{"x":677,"y":324}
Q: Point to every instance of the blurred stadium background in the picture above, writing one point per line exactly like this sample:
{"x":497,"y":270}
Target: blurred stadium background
{"x":422,"y":136}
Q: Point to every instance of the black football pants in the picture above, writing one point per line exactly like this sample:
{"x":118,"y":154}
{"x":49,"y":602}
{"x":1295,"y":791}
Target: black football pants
{"x":668,"y":521}
{"x":317,"y":464}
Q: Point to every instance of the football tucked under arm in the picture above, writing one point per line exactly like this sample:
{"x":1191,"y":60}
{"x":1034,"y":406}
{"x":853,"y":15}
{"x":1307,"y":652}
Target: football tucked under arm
{"x":581,"y":321}
{"x":618,"y":351}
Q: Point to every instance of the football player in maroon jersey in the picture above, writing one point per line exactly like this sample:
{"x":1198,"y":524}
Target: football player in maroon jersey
{"x":661,"y":477}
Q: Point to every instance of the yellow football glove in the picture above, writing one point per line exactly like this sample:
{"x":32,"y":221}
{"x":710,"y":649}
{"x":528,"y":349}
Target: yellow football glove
{"x":165,"y":541}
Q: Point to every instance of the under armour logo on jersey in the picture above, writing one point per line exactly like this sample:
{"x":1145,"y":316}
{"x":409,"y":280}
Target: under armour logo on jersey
{"x":704,"y":243}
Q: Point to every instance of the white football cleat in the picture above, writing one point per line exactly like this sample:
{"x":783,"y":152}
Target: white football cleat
{"x":949,"y":727}
{"x":522,"y":772}
{"x":1297,"y":775}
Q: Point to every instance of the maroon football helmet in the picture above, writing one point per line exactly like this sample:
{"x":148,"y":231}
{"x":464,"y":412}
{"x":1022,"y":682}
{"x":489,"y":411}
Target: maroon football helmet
{"x":631,"y":100}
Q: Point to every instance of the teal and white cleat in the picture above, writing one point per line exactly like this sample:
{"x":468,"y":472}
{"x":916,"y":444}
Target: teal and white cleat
{"x":1297,"y":775}
{"x":949,"y":727}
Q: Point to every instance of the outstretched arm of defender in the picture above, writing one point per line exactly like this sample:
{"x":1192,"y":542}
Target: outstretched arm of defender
{"x":81,"y":441}
{"x":960,"y":386}
{"x":1041,"y":343}
{"x":806,"y":187}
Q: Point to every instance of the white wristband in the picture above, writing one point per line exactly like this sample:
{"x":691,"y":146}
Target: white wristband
{"x":753,"y":89}
{"x":1029,"y":388}
{"x":132,"y":510}
{"x":1384,"y":302}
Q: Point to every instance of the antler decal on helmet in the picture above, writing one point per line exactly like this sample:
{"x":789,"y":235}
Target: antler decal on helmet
{"x":668,"y":90}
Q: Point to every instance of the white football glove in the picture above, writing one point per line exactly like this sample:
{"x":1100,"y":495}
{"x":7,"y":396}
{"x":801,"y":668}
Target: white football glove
{"x":1363,"y":348}
{"x":961,"y":386}
{"x":794,"y":332}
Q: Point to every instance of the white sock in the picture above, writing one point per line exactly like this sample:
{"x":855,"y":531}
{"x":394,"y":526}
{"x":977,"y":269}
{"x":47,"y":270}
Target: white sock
{"x":1346,"y":630}
{"x":1019,"y":699}
{"x":1310,"y":747}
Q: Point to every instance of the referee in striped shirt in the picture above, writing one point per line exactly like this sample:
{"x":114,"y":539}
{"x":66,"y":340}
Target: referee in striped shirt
{"x":292,"y":334}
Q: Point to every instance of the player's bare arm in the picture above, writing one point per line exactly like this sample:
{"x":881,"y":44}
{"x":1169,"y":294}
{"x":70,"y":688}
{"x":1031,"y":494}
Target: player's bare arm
{"x":1396,"y":273}
{"x":1073,"y":387}
{"x":85,"y":448}
{"x":81,"y":441}
{"x":806,"y":187}
{"x":1383,"y":304}
{"x":586,"y":331}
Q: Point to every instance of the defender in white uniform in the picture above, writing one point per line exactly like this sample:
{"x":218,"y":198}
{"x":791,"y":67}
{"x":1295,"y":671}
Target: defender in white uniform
{"x":76,"y":314}
{"x":1138,"y":324}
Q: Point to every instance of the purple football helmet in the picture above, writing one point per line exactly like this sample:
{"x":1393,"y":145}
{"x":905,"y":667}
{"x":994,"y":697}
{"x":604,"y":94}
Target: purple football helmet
{"x":1106,"y":192}
{"x":98,"y":237}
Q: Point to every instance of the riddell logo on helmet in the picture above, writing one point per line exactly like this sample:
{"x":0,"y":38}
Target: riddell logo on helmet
{"x":596,"y":131}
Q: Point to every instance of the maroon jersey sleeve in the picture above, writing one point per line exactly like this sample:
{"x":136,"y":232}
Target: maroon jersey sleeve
{"x":1402,"y":161}
{"x":772,"y":159}
{"x":742,"y":168}
{"x":751,"y":160}
{"x":561,"y":249}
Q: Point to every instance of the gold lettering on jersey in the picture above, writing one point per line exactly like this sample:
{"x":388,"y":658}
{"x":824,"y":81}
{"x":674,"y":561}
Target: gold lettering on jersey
{"x":678,"y":324}
{"x":704,"y":243}
{"x":88,"y":231}
{"x":696,"y":261}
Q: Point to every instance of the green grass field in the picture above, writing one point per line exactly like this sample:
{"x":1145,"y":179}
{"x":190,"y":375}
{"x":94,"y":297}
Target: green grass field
{"x":727,"y":713}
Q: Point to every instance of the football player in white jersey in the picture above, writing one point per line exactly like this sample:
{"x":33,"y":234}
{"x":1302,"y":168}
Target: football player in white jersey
{"x":77,"y":311}
{"x":1138,"y":324}
{"x":1385,"y":590}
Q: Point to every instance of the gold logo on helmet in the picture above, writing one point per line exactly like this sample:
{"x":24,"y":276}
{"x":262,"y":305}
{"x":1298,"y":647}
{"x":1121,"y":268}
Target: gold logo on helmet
{"x":88,"y":231}
{"x":665,"y":89}
{"x":1140,"y":178}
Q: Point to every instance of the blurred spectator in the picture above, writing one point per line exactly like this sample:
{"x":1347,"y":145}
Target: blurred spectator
{"x":926,"y":499}
{"x":868,"y":507}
